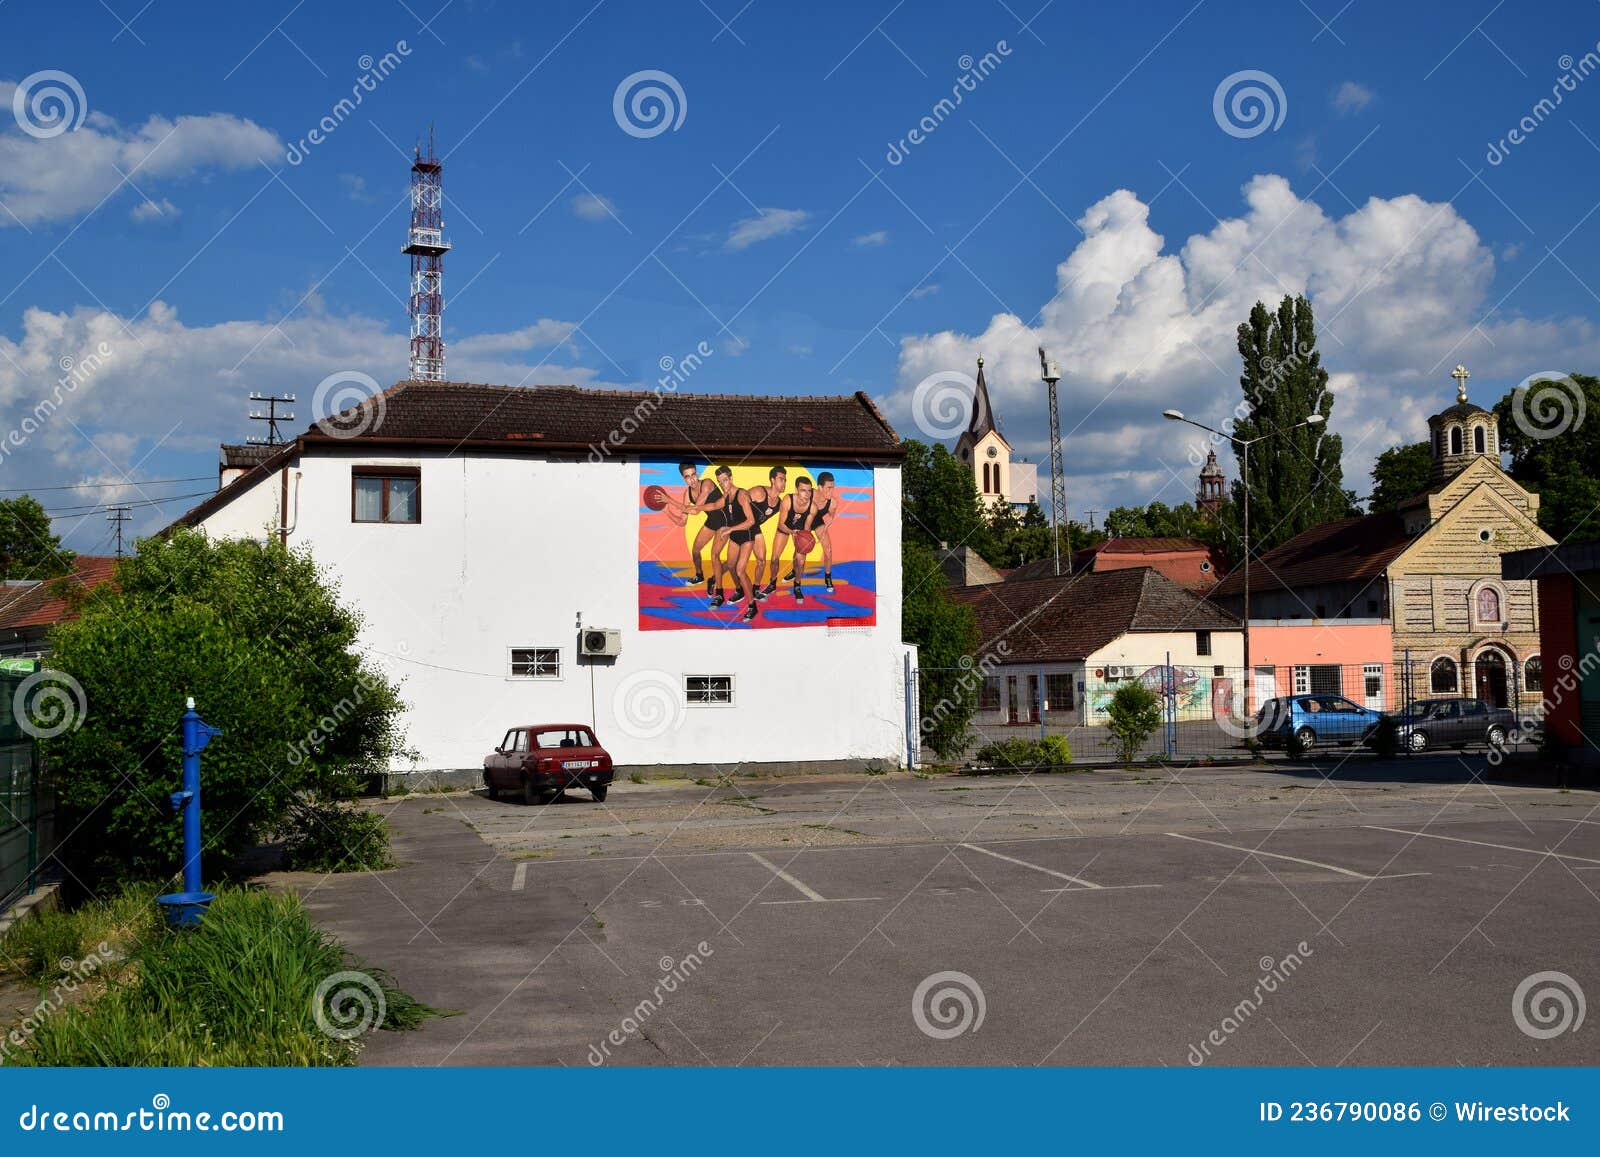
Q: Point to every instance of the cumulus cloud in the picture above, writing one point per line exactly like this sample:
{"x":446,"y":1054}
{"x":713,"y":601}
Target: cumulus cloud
{"x":146,"y":212}
{"x":592,"y":207}
{"x":1401,"y":292}
{"x":91,"y":393}
{"x":768,"y":224}
{"x":873,"y":239}
{"x":51,"y":179}
{"x":1351,"y":97}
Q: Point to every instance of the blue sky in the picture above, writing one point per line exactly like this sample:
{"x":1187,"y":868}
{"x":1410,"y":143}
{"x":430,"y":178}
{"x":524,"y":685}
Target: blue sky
{"x":1083,"y":193}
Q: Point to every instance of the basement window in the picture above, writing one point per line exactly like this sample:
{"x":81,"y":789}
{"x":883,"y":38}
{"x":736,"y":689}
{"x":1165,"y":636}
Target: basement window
{"x":386,"y":494}
{"x":708,"y":690}
{"x":536,"y":662}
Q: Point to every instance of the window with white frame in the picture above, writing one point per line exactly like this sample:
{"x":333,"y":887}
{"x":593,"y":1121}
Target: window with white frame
{"x":1372,"y":680}
{"x":1302,"y":680}
{"x":536,"y":662}
{"x":708,"y":690}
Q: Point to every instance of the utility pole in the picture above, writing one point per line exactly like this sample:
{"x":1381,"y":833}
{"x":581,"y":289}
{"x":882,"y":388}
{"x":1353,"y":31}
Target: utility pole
{"x":1051,"y":373}
{"x":118,"y":515}
{"x":271,"y":417}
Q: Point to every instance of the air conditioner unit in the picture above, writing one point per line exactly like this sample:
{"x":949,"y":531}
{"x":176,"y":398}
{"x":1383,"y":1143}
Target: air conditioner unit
{"x":599,"y":643}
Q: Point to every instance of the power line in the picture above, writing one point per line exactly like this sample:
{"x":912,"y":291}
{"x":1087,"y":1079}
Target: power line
{"x":104,"y":485}
{"x":99,"y":506}
{"x":118,"y":515}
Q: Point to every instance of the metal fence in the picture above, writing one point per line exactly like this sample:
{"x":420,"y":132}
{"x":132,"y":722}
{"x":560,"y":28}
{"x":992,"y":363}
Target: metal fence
{"x":1214,"y":712}
{"x":27,"y":811}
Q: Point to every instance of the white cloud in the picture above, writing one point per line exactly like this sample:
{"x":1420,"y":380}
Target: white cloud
{"x":875,"y":238}
{"x":592,"y":207}
{"x":146,"y":212}
{"x":924,"y":291}
{"x":769,"y":224}
{"x":1401,"y":292}
{"x":153,"y":380}
{"x":1352,"y":97}
{"x":355,"y":186}
{"x":59,"y":177}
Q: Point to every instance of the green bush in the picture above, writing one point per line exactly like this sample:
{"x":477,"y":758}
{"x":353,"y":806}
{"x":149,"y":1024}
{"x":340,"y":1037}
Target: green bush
{"x":1135,"y":713}
{"x":257,"y":635}
{"x":241,"y":989}
{"x":329,"y":835}
{"x":1026,"y":754}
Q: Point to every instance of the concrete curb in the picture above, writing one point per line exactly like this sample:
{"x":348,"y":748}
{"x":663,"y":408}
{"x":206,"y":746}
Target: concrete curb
{"x":42,"y":899}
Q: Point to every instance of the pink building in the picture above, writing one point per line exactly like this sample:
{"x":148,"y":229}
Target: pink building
{"x":1349,"y":657}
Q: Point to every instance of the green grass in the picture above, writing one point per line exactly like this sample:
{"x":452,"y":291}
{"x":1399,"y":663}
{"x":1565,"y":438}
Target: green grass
{"x":238,"y":990}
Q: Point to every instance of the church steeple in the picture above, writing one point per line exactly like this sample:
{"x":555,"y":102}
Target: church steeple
{"x":982,"y":420}
{"x":1208,"y":495}
{"x":1462,"y":433}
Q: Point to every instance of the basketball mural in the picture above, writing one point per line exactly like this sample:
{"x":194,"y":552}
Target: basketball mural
{"x":755,"y":545}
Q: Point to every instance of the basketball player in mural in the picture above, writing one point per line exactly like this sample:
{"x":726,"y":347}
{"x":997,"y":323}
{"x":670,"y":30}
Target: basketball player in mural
{"x":794,"y":520}
{"x":827,"y":501}
{"x":746,"y":541}
{"x":700,"y":495}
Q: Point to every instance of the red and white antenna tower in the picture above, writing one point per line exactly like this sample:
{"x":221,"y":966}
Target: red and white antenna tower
{"x":427,"y":248}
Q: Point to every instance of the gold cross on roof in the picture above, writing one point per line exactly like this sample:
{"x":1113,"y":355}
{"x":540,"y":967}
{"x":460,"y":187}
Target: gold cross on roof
{"x":1461,"y":374}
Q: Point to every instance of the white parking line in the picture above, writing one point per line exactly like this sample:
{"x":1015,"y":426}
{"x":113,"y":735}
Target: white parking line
{"x":520,"y":880}
{"x":1294,"y":859}
{"x":1024,"y":864}
{"x":812,"y":896}
{"x":1484,"y":844}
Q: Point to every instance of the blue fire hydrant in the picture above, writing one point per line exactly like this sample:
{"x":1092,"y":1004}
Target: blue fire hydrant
{"x":184,"y":909}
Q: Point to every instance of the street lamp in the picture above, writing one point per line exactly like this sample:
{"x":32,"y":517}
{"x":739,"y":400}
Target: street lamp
{"x":1246,"y":443}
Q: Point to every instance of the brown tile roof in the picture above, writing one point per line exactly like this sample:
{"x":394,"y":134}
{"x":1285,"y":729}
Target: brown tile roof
{"x":1084,"y":559}
{"x":572,"y":418}
{"x":243,"y":455}
{"x":1055,"y":620}
{"x":1345,"y":550}
{"x":44,"y":604}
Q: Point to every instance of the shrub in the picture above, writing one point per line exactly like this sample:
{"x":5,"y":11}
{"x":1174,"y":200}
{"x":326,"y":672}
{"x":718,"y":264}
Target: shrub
{"x":257,"y":635}
{"x":1135,"y":713}
{"x":328,"y":835}
{"x":1026,"y":754}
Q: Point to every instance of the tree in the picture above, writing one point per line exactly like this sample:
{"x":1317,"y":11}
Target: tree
{"x":257,"y":635}
{"x":940,"y":500}
{"x":946,"y":635}
{"x":1296,"y":480}
{"x":1399,"y":473}
{"x":1135,"y":713}
{"x":28,"y":550}
{"x":1553,"y":436}
{"x":1158,"y":520}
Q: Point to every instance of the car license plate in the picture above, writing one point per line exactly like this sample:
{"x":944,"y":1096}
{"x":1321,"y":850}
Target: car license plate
{"x":579,"y":764}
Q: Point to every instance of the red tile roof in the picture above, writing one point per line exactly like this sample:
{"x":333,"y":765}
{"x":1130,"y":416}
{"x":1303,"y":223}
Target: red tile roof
{"x":1065,"y":619}
{"x":1345,"y":550}
{"x":44,"y":603}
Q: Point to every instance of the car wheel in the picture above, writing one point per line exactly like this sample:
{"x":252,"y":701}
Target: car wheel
{"x":1307,"y":738}
{"x":531,"y":793}
{"x":1497,"y":737}
{"x":599,"y":792}
{"x":1417,"y":741}
{"x":492,"y":788}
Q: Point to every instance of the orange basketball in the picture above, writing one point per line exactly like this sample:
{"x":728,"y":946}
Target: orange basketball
{"x":655,"y":498}
{"x":804,"y":541}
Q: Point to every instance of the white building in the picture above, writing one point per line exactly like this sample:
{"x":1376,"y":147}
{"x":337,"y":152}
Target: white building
{"x":490,"y":536}
{"x":1062,"y":645}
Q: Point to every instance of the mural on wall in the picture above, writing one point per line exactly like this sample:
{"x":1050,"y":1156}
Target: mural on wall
{"x":1187,"y":690}
{"x":755,"y":545}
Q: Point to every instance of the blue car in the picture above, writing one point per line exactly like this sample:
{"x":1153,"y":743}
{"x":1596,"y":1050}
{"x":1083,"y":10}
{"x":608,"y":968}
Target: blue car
{"x":1318,"y":720}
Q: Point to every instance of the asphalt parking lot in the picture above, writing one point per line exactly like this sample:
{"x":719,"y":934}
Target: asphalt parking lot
{"x":1346,"y":913}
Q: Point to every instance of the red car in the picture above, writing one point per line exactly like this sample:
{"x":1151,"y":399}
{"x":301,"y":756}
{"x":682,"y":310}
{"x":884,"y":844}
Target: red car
{"x":543,"y":760}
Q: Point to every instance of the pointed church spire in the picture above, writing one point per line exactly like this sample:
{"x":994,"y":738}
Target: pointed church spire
{"x":982,"y":414}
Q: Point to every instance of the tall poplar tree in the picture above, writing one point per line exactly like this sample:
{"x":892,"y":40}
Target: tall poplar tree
{"x":1296,"y":479}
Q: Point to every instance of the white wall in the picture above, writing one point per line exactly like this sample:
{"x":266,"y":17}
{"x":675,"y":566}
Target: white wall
{"x":515,"y":552}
